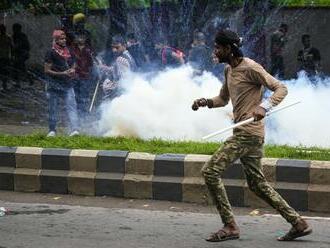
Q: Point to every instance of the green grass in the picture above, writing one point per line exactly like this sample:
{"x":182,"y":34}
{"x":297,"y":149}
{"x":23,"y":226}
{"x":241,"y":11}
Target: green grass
{"x":155,"y":146}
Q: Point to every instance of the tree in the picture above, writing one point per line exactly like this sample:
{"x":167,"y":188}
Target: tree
{"x":117,"y":16}
{"x":253,"y":29}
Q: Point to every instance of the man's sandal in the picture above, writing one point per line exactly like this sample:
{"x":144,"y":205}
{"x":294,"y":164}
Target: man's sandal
{"x":222,"y":235}
{"x":294,"y":233}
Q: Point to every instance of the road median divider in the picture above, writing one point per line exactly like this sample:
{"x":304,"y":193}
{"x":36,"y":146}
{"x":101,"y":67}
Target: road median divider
{"x":171,"y":177}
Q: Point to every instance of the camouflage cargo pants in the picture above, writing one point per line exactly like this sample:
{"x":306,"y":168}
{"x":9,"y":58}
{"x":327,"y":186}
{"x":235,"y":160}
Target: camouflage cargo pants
{"x":249,"y":149}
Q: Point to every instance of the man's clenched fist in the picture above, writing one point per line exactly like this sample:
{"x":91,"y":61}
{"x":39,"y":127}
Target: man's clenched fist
{"x":259,"y":113}
{"x":201,"y":102}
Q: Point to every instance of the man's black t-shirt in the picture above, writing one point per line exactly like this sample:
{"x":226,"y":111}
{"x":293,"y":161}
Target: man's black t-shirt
{"x":59,"y":64}
{"x":308,"y":59}
{"x":21,"y":46}
{"x":137,"y":53}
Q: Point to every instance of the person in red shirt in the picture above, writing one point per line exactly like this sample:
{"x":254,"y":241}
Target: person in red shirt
{"x":169,"y":56}
{"x":84,"y":74}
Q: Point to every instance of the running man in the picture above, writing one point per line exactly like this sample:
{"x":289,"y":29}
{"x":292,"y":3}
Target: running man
{"x":244,"y":83}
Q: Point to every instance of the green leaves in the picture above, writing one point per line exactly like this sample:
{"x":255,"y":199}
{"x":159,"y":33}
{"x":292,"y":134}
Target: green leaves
{"x":302,"y":3}
{"x":75,"y":6}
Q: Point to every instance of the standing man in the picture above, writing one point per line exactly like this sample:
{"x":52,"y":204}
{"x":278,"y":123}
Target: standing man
{"x":199,"y":54}
{"x":84,"y":66}
{"x":309,"y":57}
{"x":136,"y":50}
{"x":21,"y":53}
{"x":5,"y":56}
{"x":60,"y":69}
{"x":169,"y":56}
{"x":277,"y":44}
{"x":244,"y":83}
{"x":123,"y":64}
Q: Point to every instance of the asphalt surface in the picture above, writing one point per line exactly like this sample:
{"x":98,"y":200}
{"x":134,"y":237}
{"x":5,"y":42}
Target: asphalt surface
{"x":72,"y":221}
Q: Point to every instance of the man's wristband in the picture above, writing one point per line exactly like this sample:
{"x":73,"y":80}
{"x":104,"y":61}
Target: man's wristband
{"x":266,"y":105}
{"x":209,"y":103}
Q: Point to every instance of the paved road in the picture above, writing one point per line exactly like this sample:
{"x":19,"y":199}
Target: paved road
{"x":56,"y":225}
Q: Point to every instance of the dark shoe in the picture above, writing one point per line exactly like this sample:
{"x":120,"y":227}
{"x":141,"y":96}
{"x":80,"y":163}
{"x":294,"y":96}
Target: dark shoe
{"x":298,"y":230}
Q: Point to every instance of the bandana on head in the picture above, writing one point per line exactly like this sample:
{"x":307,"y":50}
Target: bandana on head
{"x":60,"y":50}
{"x":57,"y":34}
{"x":226,"y":36}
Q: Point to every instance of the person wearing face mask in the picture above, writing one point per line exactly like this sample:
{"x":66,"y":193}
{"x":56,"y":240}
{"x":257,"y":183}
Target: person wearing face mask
{"x":137,"y":51}
{"x":243,"y":86}
{"x":59,"y":68}
{"x":123,"y":64}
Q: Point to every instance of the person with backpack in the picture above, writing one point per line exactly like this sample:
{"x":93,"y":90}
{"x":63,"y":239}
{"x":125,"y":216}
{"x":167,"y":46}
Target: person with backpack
{"x":123,"y":64}
{"x":170,"y":56}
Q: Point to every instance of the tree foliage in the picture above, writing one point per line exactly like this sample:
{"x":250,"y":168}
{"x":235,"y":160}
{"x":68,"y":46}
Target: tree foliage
{"x":51,"y":6}
{"x":73,"y":6}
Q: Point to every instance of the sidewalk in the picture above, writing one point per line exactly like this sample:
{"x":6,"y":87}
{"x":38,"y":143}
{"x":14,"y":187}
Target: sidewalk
{"x":23,"y":129}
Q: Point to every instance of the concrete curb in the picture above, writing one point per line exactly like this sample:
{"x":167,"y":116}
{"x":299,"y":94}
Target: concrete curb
{"x":173,"y":177}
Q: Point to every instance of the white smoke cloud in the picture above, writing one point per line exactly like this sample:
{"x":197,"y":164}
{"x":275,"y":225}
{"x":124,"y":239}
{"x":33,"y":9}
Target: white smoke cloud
{"x":160,"y":107}
{"x":307,"y":123}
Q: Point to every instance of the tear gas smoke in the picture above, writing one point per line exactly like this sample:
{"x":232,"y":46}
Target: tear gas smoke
{"x":306,"y":124}
{"x":160,"y":107}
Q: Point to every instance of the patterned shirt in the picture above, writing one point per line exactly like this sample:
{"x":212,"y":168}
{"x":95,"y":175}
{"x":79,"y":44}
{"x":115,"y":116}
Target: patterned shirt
{"x":123,"y":64}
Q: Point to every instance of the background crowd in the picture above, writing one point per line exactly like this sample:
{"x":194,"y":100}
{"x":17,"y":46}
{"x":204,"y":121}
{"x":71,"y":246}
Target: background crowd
{"x":74,"y":69}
